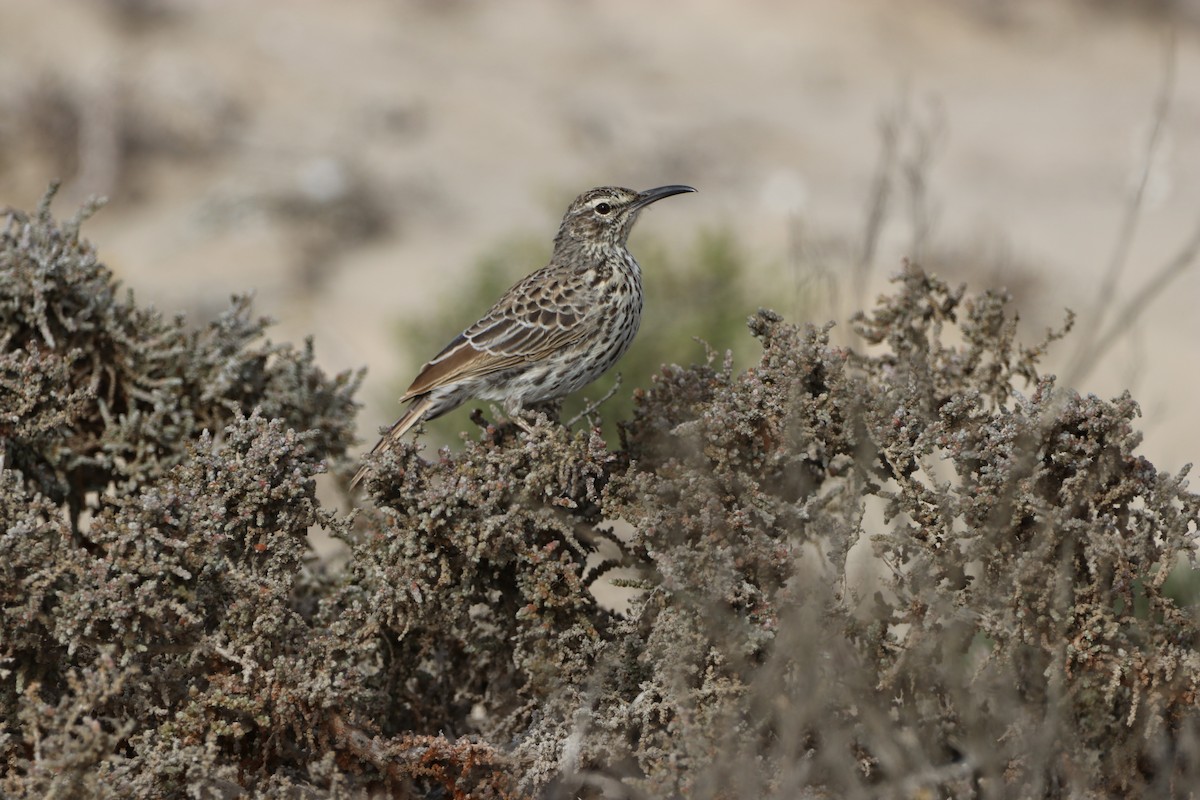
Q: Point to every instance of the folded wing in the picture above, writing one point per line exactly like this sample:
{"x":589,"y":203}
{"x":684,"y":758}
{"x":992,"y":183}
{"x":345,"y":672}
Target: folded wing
{"x":539,"y":316}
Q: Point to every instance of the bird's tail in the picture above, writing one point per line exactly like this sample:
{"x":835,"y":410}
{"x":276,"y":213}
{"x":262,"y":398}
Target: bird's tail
{"x":411,"y":417}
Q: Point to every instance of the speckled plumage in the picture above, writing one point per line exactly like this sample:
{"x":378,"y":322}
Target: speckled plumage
{"x":556,"y":330}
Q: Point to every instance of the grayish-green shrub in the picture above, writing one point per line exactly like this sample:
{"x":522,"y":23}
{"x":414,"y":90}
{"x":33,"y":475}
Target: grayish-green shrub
{"x":913,"y":568}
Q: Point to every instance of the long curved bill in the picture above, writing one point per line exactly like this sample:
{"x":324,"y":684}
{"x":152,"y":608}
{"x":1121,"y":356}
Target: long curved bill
{"x":653,"y":195}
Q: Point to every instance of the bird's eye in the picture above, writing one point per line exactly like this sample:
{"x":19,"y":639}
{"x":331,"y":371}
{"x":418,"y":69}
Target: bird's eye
{"x":603,"y":208}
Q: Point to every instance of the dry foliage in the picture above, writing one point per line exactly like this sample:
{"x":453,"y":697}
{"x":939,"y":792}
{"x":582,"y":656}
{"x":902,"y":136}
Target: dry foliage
{"x":918,"y":568}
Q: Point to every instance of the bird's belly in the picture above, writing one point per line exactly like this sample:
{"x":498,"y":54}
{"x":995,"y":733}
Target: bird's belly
{"x":562,"y":373}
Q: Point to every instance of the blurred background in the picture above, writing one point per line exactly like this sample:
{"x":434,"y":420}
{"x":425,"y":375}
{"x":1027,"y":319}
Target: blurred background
{"x":377,"y":172}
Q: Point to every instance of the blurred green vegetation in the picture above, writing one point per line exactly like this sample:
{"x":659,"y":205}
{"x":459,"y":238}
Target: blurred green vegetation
{"x":698,"y":297}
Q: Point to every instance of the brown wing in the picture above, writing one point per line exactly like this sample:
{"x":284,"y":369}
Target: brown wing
{"x":544,"y":312}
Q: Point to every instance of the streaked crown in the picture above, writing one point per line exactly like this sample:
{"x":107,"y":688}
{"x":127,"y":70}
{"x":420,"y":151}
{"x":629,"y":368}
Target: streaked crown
{"x":603,"y":217}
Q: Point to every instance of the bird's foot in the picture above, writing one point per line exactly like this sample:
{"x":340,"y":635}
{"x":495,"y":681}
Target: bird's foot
{"x":524,"y":418}
{"x":519,"y":418}
{"x":531,"y":416}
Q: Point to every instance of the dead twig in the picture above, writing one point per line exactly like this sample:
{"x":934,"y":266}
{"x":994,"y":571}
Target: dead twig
{"x":1089,"y":350}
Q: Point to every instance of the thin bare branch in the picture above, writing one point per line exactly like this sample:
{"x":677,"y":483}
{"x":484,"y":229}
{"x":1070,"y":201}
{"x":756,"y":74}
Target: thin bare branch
{"x":890,"y":125}
{"x":928,"y":137}
{"x":591,"y":407}
{"x":1135,"y":306}
{"x":1087,"y":351}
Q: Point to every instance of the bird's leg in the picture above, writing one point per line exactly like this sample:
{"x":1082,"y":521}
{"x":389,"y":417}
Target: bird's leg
{"x":551,"y":408}
{"x":513,"y":414}
{"x":518,"y":415}
{"x":526,"y":417}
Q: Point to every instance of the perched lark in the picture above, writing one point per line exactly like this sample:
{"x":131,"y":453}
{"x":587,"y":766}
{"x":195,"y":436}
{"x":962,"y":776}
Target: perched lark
{"x":554,"y":332}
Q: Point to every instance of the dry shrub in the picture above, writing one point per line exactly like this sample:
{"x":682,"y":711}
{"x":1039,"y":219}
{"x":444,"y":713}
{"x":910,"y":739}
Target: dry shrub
{"x":918,"y":568}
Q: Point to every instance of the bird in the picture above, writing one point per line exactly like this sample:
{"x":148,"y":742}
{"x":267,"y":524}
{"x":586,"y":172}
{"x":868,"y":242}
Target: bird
{"x":555,"y":331}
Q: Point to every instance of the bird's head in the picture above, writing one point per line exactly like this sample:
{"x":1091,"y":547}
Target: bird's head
{"x":600,"y":219}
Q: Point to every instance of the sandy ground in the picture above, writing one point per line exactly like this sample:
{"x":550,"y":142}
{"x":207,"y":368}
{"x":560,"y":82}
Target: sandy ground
{"x":350,"y":162}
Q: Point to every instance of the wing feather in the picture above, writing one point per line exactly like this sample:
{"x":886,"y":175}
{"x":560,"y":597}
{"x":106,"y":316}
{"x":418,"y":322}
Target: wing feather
{"x":543,"y":313}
